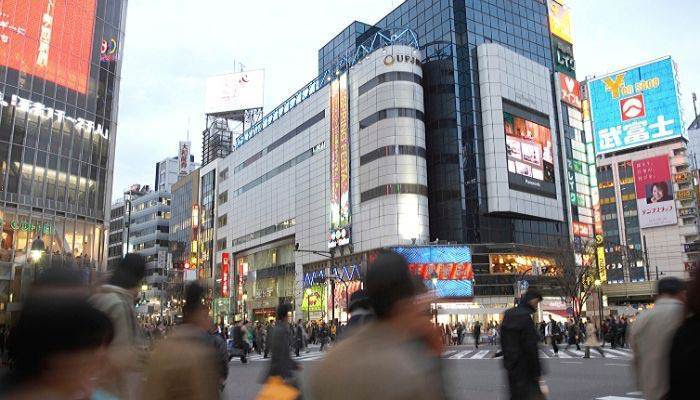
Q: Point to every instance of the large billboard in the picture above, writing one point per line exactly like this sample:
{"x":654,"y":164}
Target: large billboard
{"x":530,"y":156}
{"x":183,"y":158}
{"x":652,"y":182}
{"x":559,"y":20}
{"x":340,"y":164}
{"x":234,"y":92}
{"x":49,"y":39}
{"x":636,"y":107}
{"x":450,"y":265}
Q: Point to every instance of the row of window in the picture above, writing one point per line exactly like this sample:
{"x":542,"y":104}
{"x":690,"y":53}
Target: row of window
{"x":395,"y":150}
{"x":394,"y":188}
{"x":391,"y":113}
{"x":276,"y":171}
{"x":288,"y":223}
{"x":388,"y":77}
{"x":279,"y":142}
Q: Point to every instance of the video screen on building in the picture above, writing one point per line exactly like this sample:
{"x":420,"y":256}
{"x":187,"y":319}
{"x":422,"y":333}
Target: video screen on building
{"x":530,"y":156}
{"x":49,"y":39}
{"x":451,"y":266}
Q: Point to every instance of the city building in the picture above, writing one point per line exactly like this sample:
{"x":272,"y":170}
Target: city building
{"x":57,"y":135}
{"x":694,"y":142}
{"x":646,"y":191}
{"x":117,"y":242}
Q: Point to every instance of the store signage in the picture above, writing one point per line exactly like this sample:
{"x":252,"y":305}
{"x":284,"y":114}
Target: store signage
{"x":40,"y":110}
{"x":581,"y":229}
{"x":570,"y":91}
{"x":390,"y":59}
{"x":225,"y":278}
{"x":25,"y":226}
{"x":691,"y":247}
{"x":340,"y":230}
{"x":681,"y":177}
{"x":559,"y":20}
{"x":108,"y":50}
{"x":602,"y":271}
{"x":690,"y":266}
{"x":183,"y":158}
{"x":652,"y":182}
{"x":636,"y":107}
{"x":563,"y":57}
{"x":685,"y":194}
{"x":687,"y":212}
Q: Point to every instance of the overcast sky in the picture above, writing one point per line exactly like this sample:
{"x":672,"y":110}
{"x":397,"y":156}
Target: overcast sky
{"x":172,"y":46}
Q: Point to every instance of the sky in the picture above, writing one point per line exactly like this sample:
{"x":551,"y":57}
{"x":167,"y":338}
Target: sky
{"x":172,"y":46}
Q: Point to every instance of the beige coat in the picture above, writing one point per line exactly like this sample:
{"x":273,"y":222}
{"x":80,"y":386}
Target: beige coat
{"x":650,"y":337}
{"x":376,"y":362}
{"x":591,"y":338}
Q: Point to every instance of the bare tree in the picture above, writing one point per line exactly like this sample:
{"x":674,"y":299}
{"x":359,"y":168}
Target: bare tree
{"x":576,"y":273}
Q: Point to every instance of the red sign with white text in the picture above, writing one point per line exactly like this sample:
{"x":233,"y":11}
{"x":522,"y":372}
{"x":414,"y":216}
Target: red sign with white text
{"x":570,"y":90}
{"x":224,"y":274}
{"x":49,"y":39}
{"x":444,"y":271}
{"x":632,"y":107}
{"x":652,"y":182}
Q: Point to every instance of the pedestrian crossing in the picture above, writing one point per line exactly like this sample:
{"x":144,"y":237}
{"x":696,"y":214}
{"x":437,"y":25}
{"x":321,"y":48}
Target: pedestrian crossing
{"x":470,"y":354}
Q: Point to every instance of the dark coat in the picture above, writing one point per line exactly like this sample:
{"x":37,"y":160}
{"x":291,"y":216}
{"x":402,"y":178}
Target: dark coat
{"x":685,"y":353}
{"x":281,"y":363}
{"x":519,"y":341}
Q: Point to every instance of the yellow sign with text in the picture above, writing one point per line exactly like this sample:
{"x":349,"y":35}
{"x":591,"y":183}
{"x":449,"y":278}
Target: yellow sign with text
{"x":560,"y":20}
{"x":602,"y":273}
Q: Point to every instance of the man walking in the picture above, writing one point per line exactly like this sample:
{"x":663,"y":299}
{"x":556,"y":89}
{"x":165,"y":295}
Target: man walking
{"x":282,"y":364}
{"x":519,"y":340}
{"x":651,"y":337}
{"x":554,"y":334}
{"x":477,"y":333}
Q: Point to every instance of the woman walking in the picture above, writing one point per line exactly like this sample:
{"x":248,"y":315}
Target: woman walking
{"x":592,"y":340}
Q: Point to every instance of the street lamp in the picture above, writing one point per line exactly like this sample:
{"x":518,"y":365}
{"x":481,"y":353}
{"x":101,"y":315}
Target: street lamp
{"x":37,"y":251}
{"x":434,"y":279}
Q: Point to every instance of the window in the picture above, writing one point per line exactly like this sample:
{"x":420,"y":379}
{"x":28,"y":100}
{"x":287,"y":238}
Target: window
{"x":223,"y":174}
{"x":221,"y":244}
{"x":223,"y":197}
{"x":222,"y":220}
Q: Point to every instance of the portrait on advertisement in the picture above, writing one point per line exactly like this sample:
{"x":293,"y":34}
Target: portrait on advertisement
{"x":658,"y":191}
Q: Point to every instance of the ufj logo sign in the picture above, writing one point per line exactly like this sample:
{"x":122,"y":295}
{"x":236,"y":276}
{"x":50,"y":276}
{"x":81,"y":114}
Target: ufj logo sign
{"x":390,"y":59}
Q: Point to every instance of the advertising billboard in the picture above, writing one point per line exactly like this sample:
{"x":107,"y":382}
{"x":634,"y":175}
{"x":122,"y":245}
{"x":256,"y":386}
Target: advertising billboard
{"x":183,"y":158}
{"x":559,"y":20}
{"x":314,"y":299}
{"x":49,"y":39}
{"x":636,"y":107}
{"x":570,"y":90}
{"x":234,"y":92}
{"x":451,"y":265}
{"x":340,"y":164}
{"x":563,"y":54}
{"x":225,"y":274}
{"x":652,"y":182}
{"x":530,"y":156}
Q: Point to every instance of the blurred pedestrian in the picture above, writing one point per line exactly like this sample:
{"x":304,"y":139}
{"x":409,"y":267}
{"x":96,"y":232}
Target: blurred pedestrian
{"x":573,"y":336}
{"x":281,"y":364}
{"x":240,"y":345}
{"x":477,"y":333}
{"x":592,"y":340}
{"x":127,"y":352}
{"x":554,"y":333}
{"x":395,"y":356}
{"x":361,"y":311}
{"x":651,"y":337}
{"x":323,"y":335}
{"x":519,"y":341}
{"x":186,"y":365}
{"x":685,"y":349}
{"x":268,"y":338}
{"x":298,"y":337}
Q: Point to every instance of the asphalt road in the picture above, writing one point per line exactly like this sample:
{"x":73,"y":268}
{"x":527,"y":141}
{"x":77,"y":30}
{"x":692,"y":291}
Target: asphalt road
{"x":483,"y":378}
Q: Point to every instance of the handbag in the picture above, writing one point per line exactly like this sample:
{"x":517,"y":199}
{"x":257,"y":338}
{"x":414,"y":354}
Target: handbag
{"x":275,"y":388}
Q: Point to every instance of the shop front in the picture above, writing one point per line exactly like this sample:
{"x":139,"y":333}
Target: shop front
{"x":334,"y":284}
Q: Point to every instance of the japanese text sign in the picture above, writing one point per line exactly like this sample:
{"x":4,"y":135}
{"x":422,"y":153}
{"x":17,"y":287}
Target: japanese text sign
{"x":652,"y":182}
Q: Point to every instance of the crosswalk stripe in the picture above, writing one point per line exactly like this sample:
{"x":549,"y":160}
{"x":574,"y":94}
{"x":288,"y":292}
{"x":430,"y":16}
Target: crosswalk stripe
{"x":480,"y":355}
{"x":460,"y":355}
{"x":543,"y":354}
{"x":576,"y":352}
{"x":617,"y":398}
{"x":448,"y":353}
{"x":618,"y":352}
{"x":562,"y":354}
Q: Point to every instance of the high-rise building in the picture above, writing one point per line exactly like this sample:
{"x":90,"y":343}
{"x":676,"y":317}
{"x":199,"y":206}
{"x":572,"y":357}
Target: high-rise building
{"x":60,"y":65}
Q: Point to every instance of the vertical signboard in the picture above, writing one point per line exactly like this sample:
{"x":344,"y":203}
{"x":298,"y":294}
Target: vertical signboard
{"x":225,"y":274}
{"x":559,"y":20}
{"x":655,"y":202}
{"x":183,"y":158}
{"x":636,"y":107}
{"x":340,"y":164}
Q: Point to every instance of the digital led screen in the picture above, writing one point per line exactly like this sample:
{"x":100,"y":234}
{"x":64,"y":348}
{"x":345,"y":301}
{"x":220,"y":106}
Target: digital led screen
{"x":530,"y":156}
{"x":636,"y":107}
{"x":451,"y":265}
{"x":49,"y":39}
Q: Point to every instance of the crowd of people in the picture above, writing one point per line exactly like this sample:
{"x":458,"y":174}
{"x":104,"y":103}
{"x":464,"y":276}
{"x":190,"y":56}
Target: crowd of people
{"x":455,"y":334}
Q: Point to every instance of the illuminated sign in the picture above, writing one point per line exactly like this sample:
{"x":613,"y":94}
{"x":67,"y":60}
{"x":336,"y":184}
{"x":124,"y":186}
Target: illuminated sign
{"x":636,"y":107}
{"x":687,"y":212}
{"x":183,"y":158}
{"x":559,"y":20}
{"x":570,"y":90}
{"x":234,"y":92}
{"x":685,"y":194}
{"x":40,"y":110}
{"x":452,"y":265}
{"x":563,"y":57}
{"x":49,"y":39}
{"x":602,"y":272}
{"x":314,"y":299}
{"x":225,"y":278}
{"x":108,"y":50}
{"x":581,"y":229}
{"x":47,"y":228}
{"x":652,"y":182}
{"x":681,"y":177}
{"x":529,"y":155}
{"x":340,"y":230}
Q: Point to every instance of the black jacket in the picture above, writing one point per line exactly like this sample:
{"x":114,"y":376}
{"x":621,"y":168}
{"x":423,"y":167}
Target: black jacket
{"x":281,"y":363}
{"x":519,"y":341}
{"x":685,"y":353}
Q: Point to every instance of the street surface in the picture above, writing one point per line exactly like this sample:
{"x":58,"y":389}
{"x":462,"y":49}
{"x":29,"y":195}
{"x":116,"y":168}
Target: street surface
{"x":475,"y":374}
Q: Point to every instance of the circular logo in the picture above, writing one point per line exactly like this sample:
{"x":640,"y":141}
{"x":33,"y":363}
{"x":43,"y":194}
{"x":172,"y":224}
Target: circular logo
{"x":389,"y":59}
{"x":632,"y":108}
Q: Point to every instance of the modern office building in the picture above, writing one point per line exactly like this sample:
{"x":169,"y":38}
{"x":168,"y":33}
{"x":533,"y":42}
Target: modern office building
{"x":647,"y":195}
{"x":116,"y":238}
{"x":58,"y":120}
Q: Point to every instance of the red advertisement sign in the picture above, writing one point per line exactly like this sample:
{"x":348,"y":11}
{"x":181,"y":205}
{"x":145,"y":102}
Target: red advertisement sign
{"x":581,"y":229}
{"x":632,"y":107}
{"x":225,"y":278}
{"x":570,"y":90}
{"x":652,"y":182}
{"x":49,"y":39}
{"x":444,"y":271}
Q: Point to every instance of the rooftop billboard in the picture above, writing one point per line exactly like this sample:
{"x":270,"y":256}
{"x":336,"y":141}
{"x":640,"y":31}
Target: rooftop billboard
{"x":234,"y":92}
{"x":636,"y":107}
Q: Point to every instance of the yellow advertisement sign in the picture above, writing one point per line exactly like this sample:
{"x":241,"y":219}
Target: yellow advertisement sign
{"x":560,"y":20}
{"x":602,"y":273}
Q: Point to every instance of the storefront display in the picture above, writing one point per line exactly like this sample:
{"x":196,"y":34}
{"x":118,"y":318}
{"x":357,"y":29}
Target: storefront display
{"x":519,"y":264}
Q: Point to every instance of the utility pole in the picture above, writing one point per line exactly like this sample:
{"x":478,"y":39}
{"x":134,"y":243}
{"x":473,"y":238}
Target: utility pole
{"x":646,"y":258}
{"x":695,"y":106}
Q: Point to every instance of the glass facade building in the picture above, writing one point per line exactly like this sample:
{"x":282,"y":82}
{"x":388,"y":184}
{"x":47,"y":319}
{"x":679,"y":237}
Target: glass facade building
{"x":59,"y":77}
{"x":449,"y":32}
